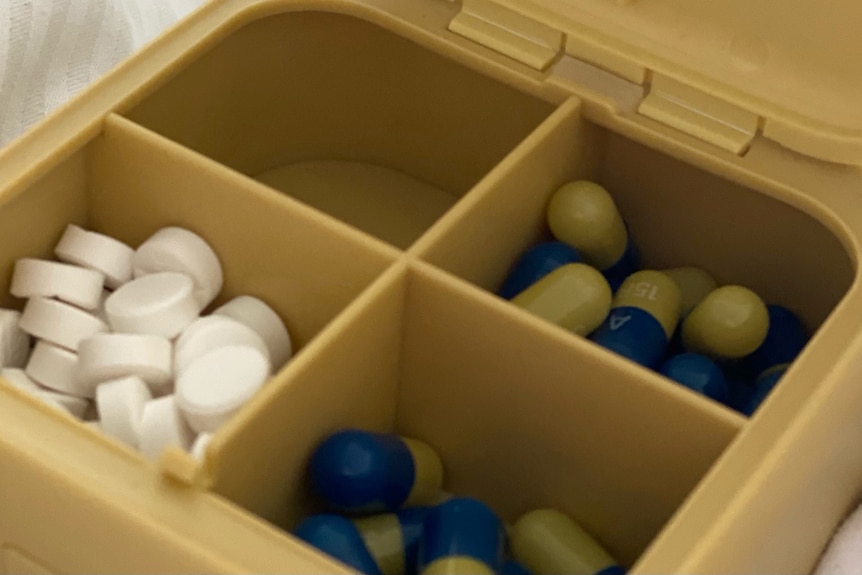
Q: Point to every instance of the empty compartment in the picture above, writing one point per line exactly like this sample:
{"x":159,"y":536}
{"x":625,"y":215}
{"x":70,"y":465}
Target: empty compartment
{"x":128,"y":183}
{"x":522,"y":415}
{"x":345,"y":116}
{"x":678,"y":214}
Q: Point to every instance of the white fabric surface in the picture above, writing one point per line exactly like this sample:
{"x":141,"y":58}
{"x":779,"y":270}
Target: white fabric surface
{"x":843,"y":555}
{"x":51,"y":49}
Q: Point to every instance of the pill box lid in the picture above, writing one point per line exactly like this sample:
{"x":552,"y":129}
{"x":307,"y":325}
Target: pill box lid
{"x":793,"y":67}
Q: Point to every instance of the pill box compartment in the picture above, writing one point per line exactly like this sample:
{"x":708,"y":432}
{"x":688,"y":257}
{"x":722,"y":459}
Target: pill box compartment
{"x":521,"y":416}
{"x":128,"y":183}
{"x":295,"y":113}
{"x":343,"y":115}
{"x":401,"y":122}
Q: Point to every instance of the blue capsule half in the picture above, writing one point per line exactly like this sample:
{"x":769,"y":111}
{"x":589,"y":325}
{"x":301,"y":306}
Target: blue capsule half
{"x":463,"y":536}
{"x":785,"y":339}
{"x":359,"y":471}
{"x":762,"y":388}
{"x":338,"y":537}
{"x":699,"y":373}
{"x":536,"y":263}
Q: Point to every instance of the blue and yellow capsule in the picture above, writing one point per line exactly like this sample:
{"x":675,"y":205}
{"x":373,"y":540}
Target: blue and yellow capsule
{"x":549,"y":542}
{"x":699,"y":373}
{"x":338,"y":537}
{"x":583,"y":214}
{"x":357,"y":471}
{"x":643,"y":318}
{"x":463,"y":536}
{"x":574,"y":296}
{"x":763,"y":387}
{"x":694,"y":285}
{"x":536,"y":263}
{"x":785,"y":339}
{"x":730,"y":323}
{"x":393,"y":538}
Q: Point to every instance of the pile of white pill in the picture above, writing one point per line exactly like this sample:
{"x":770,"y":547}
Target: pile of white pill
{"x":116,"y":335}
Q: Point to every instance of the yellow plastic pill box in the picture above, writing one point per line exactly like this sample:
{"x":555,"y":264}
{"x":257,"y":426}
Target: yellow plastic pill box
{"x":371,"y":169}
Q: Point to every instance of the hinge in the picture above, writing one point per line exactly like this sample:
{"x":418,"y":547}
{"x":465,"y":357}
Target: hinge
{"x":699,"y":114}
{"x":508,"y":33}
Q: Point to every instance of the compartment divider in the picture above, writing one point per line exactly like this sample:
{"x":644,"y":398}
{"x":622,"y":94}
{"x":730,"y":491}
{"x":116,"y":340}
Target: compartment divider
{"x":216,"y":171}
{"x":570,"y":413}
{"x":563,"y":147}
{"x":339,"y":380}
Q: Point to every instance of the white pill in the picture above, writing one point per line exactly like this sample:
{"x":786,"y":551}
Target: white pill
{"x":72,"y":284}
{"x":175,"y":249}
{"x":199,"y":447}
{"x":156,"y":304}
{"x":14,"y":341}
{"x":59,"y":323}
{"x":99,"y":312}
{"x":209,"y":333}
{"x":161,"y":425}
{"x":121,"y":408}
{"x":216,"y":386}
{"x":257,"y":315}
{"x":106,"y":255}
{"x":108,"y":356}
{"x":55,"y":367}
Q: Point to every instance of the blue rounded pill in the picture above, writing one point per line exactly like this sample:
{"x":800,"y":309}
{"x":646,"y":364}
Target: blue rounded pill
{"x":338,"y":537}
{"x":785,"y":339}
{"x":366,"y":472}
{"x":762,"y":388}
{"x":536,"y":263}
{"x":634,"y":334}
{"x":463,"y":536}
{"x":699,"y":373}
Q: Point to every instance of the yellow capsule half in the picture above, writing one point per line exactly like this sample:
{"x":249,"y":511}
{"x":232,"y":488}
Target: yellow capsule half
{"x":731,"y":322}
{"x":694,"y":285}
{"x":429,"y":473}
{"x":549,"y":542}
{"x":457,"y":566}
{"x":583,"y":214}
{"x":574,"y":296}
{"x":655,"y":293}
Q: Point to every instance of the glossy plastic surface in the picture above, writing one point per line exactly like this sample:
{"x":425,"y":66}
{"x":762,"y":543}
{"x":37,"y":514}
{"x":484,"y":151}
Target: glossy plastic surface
{"x":373,"y":177}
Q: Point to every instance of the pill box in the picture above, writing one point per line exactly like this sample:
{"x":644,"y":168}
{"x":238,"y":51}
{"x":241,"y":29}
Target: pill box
{"x":371,"y":169}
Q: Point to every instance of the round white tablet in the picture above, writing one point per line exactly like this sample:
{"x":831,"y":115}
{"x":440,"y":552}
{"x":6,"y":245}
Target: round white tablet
{"x":14,"y":341}
{"x":99,"y":312}
{"x":174,"y":249}
{"x":157,"y":304}
{"x":199,"y":447}
{"x":209,"y":333}
{"x":108,"y":356}
{"x":72,"y":284}
{"x":121,"y":408}
{"x":59,"y":323}
{"x":106,"y":255}
{"x":257,"y":315}
{"x":216,"y":386}
{"x":55,"y":367}
{"x":163,"y":425}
